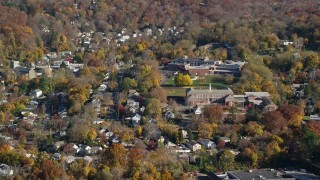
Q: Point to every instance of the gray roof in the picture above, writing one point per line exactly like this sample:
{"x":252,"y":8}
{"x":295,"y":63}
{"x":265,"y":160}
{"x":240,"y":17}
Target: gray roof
{"x":257,"y":94}
{"x":208,"y":91}
{"x":257,"y":174}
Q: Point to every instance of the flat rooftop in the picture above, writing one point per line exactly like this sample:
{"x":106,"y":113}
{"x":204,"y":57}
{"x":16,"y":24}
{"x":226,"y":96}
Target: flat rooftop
{"x":258,"y":174}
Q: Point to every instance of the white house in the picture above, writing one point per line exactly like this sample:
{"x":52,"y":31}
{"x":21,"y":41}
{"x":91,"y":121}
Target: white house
{"x":70,"y":159}
{"x":225,"y":139}
{"x":102,"y":87}
{"x":198,"y":111}
{"x":315,"y":117}
{"x":136,"y":119}
{"x":36,"y":93}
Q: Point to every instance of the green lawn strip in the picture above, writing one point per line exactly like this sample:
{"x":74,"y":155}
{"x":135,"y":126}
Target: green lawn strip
{"x":306,"y":118}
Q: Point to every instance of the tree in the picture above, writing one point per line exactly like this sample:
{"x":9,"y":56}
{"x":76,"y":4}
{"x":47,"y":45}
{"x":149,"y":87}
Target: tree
{"x":226,"y":160}
{"x":128,"y":83}
{"x":159,"y":93}
{"x":312,"y":61}
{"x":206,"y":130}
{"x":2,"y":116}
{"x":314,"y":126}
{"x":229,"y":78}
{"x":249,"y":156}
{"x":115,"y":155}
{"x":272,"y":149}
{"x":274,"y":121}
{"x":309,"y":144}
{"x":182,"y":80}
{"x":292,"y":113}
{"x":213,"y":113}
{"x":154,"y":107}
{"x":47,"y":170}
{"x":253,"y":128}
{"x":113,"y":85}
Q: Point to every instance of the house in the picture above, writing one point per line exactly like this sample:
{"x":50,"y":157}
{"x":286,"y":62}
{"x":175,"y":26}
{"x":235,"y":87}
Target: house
{"x":114,"y":139}
{"x":36,"y":93}
{"x":203,"y":97}
{"x":285,"y":42}
{"x":98,"y":121}
{"x":57,"y":145}
{"x":184,"y":134}
{"x":142,"y":109}
{"x":70,"y":159}
{"x":108,"y":135}
{"x":268,"y":105}
{"x":315,"y":117}
{"x":102,"y":88}
{"x":225,"y":139}
{"x":88,"y":159}
{"x":87,"y":149}
{"x":169,"y":115}
{"x":198,"y":111}
{"x":96,"y":149}
{"x":136,"y":119}
{"x":207,"y":143}
{"x":57,"y":156}
{"x":30,"y":73}
{"x":173,"y":148}
{"x":5,"y":170}
{"x":194,"y":146}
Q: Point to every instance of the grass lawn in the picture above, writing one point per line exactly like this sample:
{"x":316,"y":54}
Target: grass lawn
{"x":217,"y":81}
{"x":178,"y":91}
{"x":306,"y":118}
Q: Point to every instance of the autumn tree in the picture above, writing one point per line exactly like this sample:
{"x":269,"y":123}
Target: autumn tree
{"x":253,"y":128}
{"x":159,"y":93}
{"x":213,"y":113}
{"x":48,"y":169}
{"x":206,"y":130}
{"x":115,"y":155}
{"x":274,"y":121}
{"x":314,"y":126}
{"x":292,"y":113}
{"x":182,"y":80}
{"x":249,"y":156}
{"x":154,"y":107}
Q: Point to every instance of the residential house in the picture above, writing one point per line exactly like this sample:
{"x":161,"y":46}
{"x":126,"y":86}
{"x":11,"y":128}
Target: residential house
{"x":198,"y":111}
{"x":184,"y":134}
{"x":136,"y":119}
{"x":194,"y":146}
{"x":5,"y":170}
{"x":88,"y":159}
{"x":57,"y":145}
{"x":96,"y":149}
{"x":102,"y":88}
{"x":225,"y":139}
{"x":57,"y":156}
{"x":30,"y":73}
{"x":315,"y":117}
{"x":36,"y":93}
{"x":207,"y":143}
{"x":70,"y":159}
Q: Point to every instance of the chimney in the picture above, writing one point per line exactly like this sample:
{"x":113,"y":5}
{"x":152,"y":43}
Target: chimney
{"x":210,"y":87}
